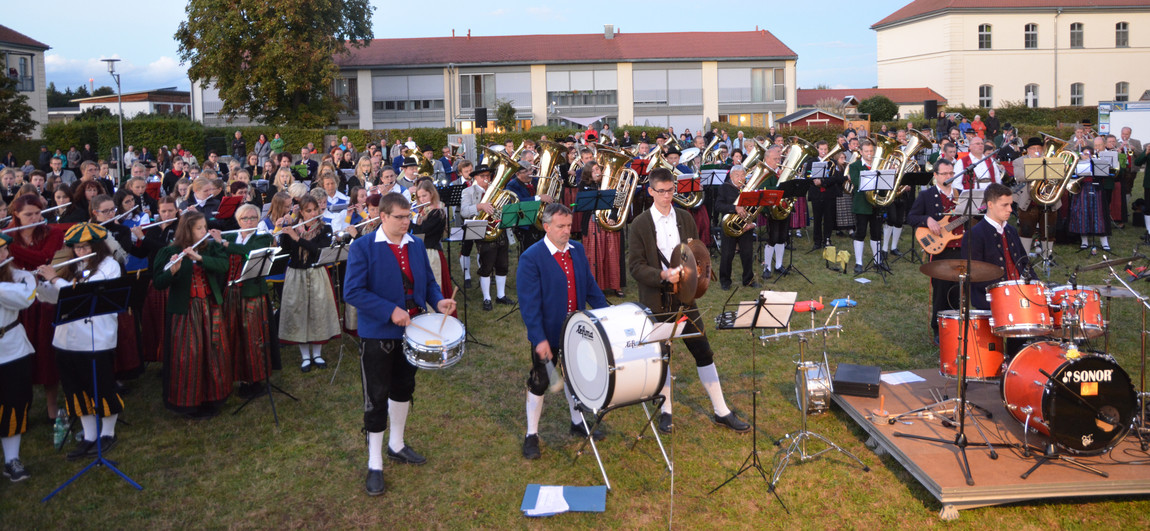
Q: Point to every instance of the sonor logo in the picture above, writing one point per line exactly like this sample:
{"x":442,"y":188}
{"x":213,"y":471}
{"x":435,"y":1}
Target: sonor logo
{"x":1087,"y":440}
{"x":1100,"y":375}
{"x":585,"y":333}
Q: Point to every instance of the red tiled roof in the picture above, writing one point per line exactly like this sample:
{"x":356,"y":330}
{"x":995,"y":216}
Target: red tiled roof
{"x":902,"y":96}
{"x":12,"y":36}
{"x":582,"y":48}
{"x":923,"y":7}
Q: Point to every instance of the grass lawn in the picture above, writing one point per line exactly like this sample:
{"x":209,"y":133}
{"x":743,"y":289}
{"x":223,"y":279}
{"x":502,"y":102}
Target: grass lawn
{"x":241,"y":471}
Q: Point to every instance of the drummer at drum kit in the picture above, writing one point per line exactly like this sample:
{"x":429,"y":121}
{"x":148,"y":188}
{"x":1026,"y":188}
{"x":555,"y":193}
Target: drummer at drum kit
{"x":553,"y":279}
{"x":390,"y":273}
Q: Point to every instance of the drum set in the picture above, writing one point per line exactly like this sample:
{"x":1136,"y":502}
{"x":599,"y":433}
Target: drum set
{"x":1057,"y":384}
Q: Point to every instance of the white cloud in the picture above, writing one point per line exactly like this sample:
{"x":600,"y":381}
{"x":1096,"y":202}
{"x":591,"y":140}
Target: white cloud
{"x":70,"y":72}
{"x":544,"y":13}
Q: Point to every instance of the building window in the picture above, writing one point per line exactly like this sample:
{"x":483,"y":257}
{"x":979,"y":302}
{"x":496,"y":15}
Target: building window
{"x":477,"y":90}
{"x":768,"y":84}
{"x":346,"y":93}
{"x":1122,"y":35}
{"x":582,"y":98}
{"x":1076,"y":35}
{"x":1030,"y":36}
{"x":1122,"y":91}
{"x":984,"y":36}
{"x":1031,"y":95}
{"x":1077,"y":94}
{"x":985,"y":96}
{"x":19,"y":68}
{"x":406,"y":105}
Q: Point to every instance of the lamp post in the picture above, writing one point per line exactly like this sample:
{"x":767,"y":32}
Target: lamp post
{"x":120,"y":105}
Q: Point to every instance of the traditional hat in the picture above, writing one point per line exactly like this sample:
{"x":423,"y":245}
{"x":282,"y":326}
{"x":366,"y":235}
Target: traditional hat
{"x":5,"y":239}
{"x":84,"y":233}
{"x":409,"y":162}
{"x":672,"y":148}
{"x":1034,"y":141}
{"x":482,"y":168}
{"x":425,"y":148}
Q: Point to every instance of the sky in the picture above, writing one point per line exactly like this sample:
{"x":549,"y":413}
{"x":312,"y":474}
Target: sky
{"x":834,"y":42}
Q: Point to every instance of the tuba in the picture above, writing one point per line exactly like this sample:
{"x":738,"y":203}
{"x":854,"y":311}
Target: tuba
{"x":710,"y":153}
{"x":550,"y":182}
{"x":735,"y":225}
{"x":792,"y":166}
{"x":1048,"y":192}
{"x":898,"y":160}
{"x":688,"y":200}
{"x":618,"y":177}
{"x":495,"y":194}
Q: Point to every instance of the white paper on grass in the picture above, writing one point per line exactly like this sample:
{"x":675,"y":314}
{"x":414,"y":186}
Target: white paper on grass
{"x":550,"y":501}
{"x":899,"y":378}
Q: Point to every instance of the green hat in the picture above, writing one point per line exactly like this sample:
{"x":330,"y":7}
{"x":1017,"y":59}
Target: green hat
{"x":5,"y":239}
{"x":84,"y":233}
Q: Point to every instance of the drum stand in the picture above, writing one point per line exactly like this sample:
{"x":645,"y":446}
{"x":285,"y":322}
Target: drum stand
{"x":1143,"y":396}
{"x":791,"y":267}
{"x":597,"y":418}
{"x":798,"y":444}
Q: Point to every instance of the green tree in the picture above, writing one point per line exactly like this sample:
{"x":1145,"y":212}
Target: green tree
{"x":273,"y":61}
{"x":15,"y":113}
{"x":94,"y":114}
{"x":879,"y":107}
{"x":104,"y":91}
{"x":505,"y":115}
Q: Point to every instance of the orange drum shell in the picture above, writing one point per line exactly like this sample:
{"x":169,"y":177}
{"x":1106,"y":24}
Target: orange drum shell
{"x":1092,"y":323}
{"x":985,"y":350}
{"x":1018,"y":309}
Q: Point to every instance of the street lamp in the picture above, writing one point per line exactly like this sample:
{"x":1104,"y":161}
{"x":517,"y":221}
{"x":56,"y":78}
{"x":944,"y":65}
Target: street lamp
{"x":120,"y":105}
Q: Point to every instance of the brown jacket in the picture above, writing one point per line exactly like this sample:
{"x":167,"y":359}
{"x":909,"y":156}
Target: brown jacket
{"x":643,"y":255}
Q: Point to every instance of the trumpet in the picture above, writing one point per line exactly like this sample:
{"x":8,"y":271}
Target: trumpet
{"x":22,"y":227}
{"x":119,"y":217}
{"x":180,"y":256}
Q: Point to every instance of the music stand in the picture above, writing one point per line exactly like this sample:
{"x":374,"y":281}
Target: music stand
{"x":590,"y":200}
{"x":473,"y":230}
{"x":771,"y":309}
{"x":519,"y":215}
{"x":876,"y":181}
{"x":1045,"y":169}
{"x":83,"y":301}
{"x":913,"y":179}
{"x":257,"y":267}
{"x":334,"y":256}
{"x":792,"y":190}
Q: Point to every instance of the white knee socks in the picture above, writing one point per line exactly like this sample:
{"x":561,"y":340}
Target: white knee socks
{"x":874,"y":252}
{"x":500,"y":285}
{"x":11,"y":447}
{"x":375,"y":450}
{"x":108,"y":426}
{"x":895,"y":234}
{"x":465,"y":265}
{"x":89,"y":424}
{"x":534,"y":411}
{"x":575,"y":418}
{"x":887,"y":231}
{"x":768,"y":252}
{"x":709,"y":377}
{"x":666,"y":392}
{"x":485,"y":287}
{"x":396,"y":421}
{"x":1026,"y":243}
{"x":780,"y":249}
{"x":859,"y":252}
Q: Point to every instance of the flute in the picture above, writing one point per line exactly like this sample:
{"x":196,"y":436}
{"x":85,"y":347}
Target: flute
{"x":300,"y":224}
{"x":72,"y":261}
{"x":362,"y":223}
{"x":119,"y":217}
{"x":183,"y":253}
{"x":22,"y":227}
{"x":153,"y":224}
{"x":237,"y":231}
{"x":57,"y":207}
{"x":5,"y":262}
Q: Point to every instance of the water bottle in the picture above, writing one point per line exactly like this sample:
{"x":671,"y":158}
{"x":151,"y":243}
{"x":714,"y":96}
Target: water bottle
{"x":60,"y":430}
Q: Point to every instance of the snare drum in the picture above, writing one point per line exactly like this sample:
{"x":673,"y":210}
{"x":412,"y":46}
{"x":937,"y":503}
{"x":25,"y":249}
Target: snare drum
{"x":1056,"y":411}
{"x":427,"y":350}
{"x":1018,"y":309}
{"x":984,"y":349}
{"x":813,"y":387}
{"x":1081,"y":323}
{"x":605,"y":364}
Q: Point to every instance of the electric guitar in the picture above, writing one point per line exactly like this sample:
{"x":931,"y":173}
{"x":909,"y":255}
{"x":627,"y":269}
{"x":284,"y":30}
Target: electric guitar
{"x":935,"y":244}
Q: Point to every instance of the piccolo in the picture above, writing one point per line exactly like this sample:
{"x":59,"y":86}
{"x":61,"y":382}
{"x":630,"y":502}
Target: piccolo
{"x":22,"y":227}
{"x":183,"y":253}
{"x":119,"y":217}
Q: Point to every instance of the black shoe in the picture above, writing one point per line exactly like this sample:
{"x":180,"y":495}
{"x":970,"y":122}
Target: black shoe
{"x":726,"y":286}
{"x":83,"y":449}
{"x":732,"y":422}
{"x":305,"y":366}
{"x":858,"y":269}
{"x":375,"y":485}
{"x":505,"y":300}
{"x":487,"y":305}
{"x":407,"y":456}
{"x":936,"y":339}
{"x":319,"y":363}
{"x":766,"y":273}
{"x":108,"y":442}
{"x":1083,"y":247}
{"x":580,"y":430}
{"x":15,"y":471}
{"x":665,"y":424}
{"x":751,"y":284}
{"x":531,"y":447}
{"x":895,"y":252}
{"x":619,"y":293}
{"x":1106,"y":248}
{"x":467,"y":284}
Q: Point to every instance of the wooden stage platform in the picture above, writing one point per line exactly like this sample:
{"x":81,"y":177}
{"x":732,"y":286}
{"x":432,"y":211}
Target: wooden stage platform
{"x":996,"y":482}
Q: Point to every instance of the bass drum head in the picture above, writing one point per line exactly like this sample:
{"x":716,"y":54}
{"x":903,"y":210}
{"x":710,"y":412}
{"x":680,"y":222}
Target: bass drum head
{"x":1105,"y":386}
{"x":586,"y":358}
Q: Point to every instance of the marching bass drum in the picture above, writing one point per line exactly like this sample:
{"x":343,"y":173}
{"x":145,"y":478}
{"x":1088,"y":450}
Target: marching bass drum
{"x":604,"y":364}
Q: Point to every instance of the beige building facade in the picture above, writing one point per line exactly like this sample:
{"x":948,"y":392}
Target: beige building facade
{"x":1069,"y":53}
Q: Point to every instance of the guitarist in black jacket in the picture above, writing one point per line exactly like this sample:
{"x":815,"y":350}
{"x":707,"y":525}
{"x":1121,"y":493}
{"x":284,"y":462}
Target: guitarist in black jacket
{"x":928,"y":211}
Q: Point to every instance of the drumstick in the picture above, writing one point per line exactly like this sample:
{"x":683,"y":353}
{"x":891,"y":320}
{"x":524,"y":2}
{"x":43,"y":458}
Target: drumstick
{"x":412,"y":323}
{"x":444,"y":321}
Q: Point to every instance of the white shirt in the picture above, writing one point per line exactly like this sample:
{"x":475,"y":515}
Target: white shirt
{"x":666,"y":232}
{"x":381,"y":237}
{"x":982,"y":172}
{"x":551,"y":248}
{"x":335,"y":219}
{"x":85,"y":335}
{"x":1000,"y":228}
{"x":15,"y":296}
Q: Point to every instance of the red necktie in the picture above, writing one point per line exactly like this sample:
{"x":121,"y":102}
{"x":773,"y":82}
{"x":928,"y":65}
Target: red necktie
{"x":1011,"y":270}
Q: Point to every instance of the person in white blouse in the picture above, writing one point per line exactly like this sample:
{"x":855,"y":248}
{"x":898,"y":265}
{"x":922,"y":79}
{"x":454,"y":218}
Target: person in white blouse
{"x":17,"y":291}
{"x":78,"y":342}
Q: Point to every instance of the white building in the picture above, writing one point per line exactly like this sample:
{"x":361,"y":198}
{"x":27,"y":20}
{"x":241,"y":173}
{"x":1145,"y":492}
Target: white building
{"x":1046,"y":54}
{"x":157,"y":101}
{"x":23,"y":60}
{"x":679,"y":80}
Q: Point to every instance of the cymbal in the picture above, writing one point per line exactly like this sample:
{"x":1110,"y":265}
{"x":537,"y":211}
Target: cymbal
{"x":1118,"y":292}
{"x":951,"y":269}
{"x":1109,"y":263}
{"x":687,"y":286}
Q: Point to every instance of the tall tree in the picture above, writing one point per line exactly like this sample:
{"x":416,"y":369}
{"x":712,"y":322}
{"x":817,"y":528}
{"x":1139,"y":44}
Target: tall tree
{"x":273,"y":61}
{"x":15,"y":113}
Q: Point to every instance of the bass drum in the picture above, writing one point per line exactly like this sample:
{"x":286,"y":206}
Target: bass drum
{"x":1057,"y":411}
{"x":604,"y":364}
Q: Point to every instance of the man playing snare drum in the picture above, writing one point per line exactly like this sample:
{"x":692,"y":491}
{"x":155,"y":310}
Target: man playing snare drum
{"x":553,"y":279}
{"x":389,"y":272}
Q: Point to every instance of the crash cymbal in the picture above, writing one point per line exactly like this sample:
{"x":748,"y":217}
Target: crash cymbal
{"x":1109,"y":263}
{"x":952,"y":268}
{"x":688,"y":283}
{"x":1118,"y":292}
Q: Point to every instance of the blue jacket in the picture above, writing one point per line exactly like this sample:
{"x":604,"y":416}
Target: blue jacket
{"x":517,"y":187}
{"x":542,"y":289}
{"x":983,"y":243}
{"x":374,"y":286}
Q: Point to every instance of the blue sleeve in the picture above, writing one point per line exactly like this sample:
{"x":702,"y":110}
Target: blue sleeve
{"x":355,"y":289}
{"x":528,"y":288}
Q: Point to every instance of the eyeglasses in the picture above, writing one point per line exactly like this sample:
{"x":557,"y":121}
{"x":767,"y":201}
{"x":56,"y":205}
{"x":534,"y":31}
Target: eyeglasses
{"x":664,"y":192}
{"x":106,"y":211}
{"x":250,"y":218}
{"x":392,"y":216}
{"x":946,"y":173}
